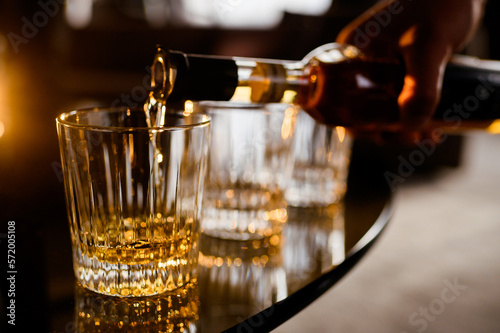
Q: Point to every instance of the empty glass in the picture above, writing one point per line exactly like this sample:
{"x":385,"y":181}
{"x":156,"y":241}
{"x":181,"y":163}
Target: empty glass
{"x":321,"y":164}
{"x":249,"y":166}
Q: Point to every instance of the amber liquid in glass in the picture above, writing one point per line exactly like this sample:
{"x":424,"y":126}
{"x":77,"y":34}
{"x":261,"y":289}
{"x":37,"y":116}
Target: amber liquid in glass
{"x":130,"y":260}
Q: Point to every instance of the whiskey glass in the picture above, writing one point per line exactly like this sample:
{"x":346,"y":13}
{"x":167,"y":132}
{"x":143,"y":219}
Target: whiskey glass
{"x":134,"y":196}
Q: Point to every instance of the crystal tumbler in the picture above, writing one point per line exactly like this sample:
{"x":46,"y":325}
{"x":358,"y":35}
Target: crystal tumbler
{"x":134,"y":196}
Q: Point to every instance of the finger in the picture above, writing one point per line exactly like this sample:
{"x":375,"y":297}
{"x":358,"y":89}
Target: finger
{"x":425,"y":60}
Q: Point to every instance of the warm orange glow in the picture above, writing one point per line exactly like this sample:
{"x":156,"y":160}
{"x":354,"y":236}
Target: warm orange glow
{"x":408,"y":37}
{"x":494,"y":128}
{"x":188,"y":108}
{"x":242,"y":94}
{"x":408,"y":89}
{"x":340,"y":133}
{"x":288,"y":123}
{"x":3,"y":85}
{"x":3,"y":102}
{"x":289,"y":96}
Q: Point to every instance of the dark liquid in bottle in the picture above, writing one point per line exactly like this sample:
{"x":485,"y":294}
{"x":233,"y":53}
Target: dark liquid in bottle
{"x":358,"y":94}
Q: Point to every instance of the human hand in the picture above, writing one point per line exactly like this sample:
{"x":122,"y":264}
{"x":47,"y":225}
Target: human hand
{"x":423,"y":34}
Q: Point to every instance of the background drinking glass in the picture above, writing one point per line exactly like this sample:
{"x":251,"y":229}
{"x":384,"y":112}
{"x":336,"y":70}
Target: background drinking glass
{"x":321,"y":164}
{"x":249,"y":165}
{"x":134,"y":198}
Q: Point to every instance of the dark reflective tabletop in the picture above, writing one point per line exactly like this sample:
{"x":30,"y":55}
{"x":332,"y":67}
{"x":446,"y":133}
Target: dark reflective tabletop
{"x":241,"y":286}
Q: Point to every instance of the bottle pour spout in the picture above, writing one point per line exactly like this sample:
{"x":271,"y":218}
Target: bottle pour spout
{"x":162,"y":77}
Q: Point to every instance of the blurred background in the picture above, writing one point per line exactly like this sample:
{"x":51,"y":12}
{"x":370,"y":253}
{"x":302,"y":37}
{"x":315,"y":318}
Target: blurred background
{"x":59,"y":55}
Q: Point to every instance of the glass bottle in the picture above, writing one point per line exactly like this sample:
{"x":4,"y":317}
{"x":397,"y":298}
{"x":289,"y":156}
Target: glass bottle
{"x":336,"y":84}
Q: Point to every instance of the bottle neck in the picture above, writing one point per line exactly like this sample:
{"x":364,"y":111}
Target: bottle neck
{"x":268,"y":81}
{"x":179,"y":77}
{"x":197,"y":78}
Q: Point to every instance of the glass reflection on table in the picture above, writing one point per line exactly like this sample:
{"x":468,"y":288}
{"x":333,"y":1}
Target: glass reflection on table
{"x":238,"y":278}
{"x":175,"y":311}
{"x":314,"y":242}
{"x":241,"y":278}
